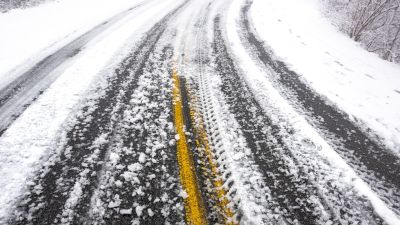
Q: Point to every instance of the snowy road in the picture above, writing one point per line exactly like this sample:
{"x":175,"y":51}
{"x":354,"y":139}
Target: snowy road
{"x":189,"y":117}
{"x":19,"y":93}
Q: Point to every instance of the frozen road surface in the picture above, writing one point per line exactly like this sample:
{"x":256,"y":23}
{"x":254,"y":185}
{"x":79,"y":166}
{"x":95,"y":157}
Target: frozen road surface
{"x":197,"y":112}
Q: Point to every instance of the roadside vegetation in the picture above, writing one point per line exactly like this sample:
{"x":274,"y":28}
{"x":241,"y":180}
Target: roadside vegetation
{"x":7,"y":5}
{"x":374,"y":23}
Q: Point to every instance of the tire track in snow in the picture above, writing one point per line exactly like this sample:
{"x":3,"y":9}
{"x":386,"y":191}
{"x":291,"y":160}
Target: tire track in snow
{"x":293,"y":197}
{"x":376,"y":165}
{"x":63,"y":188}
{"x":218,"y":206}
{"x":206,"y":119}
{"x":228,"y":179}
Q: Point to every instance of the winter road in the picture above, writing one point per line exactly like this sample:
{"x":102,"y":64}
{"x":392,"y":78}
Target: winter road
{"x":178,"y":133}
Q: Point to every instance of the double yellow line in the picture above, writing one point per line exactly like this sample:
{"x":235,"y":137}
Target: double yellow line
{"x":194,"y":205}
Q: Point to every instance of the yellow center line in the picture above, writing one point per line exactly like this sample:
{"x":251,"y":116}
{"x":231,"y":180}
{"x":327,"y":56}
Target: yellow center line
{"x":194,"y":205}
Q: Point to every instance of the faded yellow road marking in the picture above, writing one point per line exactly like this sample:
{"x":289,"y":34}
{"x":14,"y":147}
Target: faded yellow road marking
{"x":194,"y":205}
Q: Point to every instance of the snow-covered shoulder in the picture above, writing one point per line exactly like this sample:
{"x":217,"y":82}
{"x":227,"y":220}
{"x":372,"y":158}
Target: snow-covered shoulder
{"x":358,"y":82}
{"x":27,"y":35}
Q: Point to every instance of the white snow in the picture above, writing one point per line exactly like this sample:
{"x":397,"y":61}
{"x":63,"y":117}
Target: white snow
{"x":126,"y":211}
{"x":135,"y":167}
{"x":27,"y":35}
{"x":183,"y":194}
{"x":118,"y":183}
{"x":150,"y":212}
{"x":36,"y":131}
{"x":139,"y":210}
{"x":359,"y":82}
{"x":115,"y":203}
{"x":263,"y":89}
{"x":142,"y":157}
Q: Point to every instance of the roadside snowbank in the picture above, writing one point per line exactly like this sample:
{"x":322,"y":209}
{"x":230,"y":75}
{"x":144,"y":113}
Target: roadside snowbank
{"x":27,"y":35}
{"x":359,"y":82}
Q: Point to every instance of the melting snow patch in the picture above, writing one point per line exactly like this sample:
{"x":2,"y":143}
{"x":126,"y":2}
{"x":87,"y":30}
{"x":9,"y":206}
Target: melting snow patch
{"x":150,"y":212}
{"x":115,"y":203}
{"x":139,"y":210}
{"x":142,"y":157}
{"x":126,"y":211}
{"x":183,"y":194}
{"x":135,"y":167}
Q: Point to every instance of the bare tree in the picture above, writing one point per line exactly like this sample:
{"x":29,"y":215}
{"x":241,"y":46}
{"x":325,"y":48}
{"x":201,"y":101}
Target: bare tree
{"x":369,"y":15}
{"x":375,"y":23}
{"x":392,"y":50}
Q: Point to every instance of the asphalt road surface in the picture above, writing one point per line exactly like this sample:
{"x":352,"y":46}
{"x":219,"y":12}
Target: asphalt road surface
{"x":178,"y":135}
